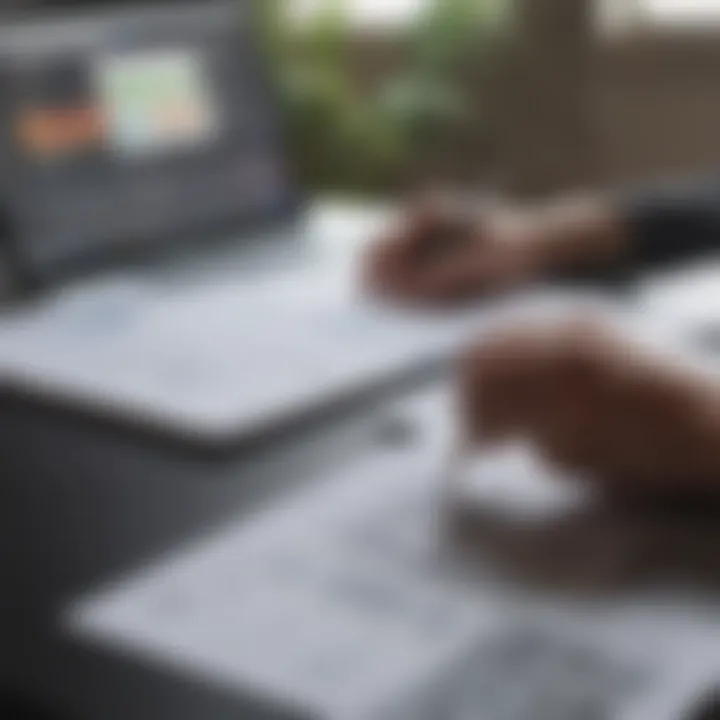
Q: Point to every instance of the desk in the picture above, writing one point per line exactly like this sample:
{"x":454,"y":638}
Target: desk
{"x":80,"y":501}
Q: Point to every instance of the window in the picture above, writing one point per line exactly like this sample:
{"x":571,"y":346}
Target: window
{"x":367,"y":12}
{"x":618,"y":14}
{"x":681,"y":10}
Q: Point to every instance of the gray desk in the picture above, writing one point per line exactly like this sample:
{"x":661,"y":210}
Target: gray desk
{"x":81,"y":502}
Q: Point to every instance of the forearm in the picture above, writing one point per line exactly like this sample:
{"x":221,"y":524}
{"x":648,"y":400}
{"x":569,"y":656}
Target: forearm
{"x":599,"y":236}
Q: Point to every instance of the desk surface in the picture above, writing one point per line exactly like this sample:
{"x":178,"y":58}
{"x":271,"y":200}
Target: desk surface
{"x":81,"y":502}
{"x":354,"y":598}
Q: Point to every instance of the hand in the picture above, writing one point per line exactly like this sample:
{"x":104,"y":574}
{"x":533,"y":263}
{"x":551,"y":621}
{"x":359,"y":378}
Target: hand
{"x":443,"y":250}
{"x":595,"y":402}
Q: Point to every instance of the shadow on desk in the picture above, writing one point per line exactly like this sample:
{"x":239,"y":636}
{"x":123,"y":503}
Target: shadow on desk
{"x":12,"y":708}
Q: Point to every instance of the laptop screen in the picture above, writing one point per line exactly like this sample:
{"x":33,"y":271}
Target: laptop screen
{"x":123,"y":127}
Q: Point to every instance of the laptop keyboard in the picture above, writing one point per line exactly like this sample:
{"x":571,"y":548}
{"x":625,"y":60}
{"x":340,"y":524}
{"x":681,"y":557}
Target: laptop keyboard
{"x":229,"y":263}
{"x":221,"y":360}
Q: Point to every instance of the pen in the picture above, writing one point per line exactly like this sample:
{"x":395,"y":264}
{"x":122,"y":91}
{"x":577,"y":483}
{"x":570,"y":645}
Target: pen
{"x":453,"y":472}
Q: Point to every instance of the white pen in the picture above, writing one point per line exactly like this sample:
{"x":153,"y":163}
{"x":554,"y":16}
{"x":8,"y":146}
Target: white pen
{"x":453,"y":473}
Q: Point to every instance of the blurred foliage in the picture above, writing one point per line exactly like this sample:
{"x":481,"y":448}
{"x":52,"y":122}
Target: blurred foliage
{"x":344,"y":135}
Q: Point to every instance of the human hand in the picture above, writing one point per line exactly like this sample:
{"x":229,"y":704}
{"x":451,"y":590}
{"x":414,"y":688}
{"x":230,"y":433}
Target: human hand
{"x":443,"y":249}
{"x":593,"y":401}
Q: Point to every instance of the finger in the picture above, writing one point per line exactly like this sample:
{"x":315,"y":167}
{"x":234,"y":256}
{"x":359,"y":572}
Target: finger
{"x":525,"y":385}
{"x":390,"y":264}
{"x":500,"y":378}
{"x":471,"y":270}
{"x":393,"y":262}
{"x":382,"y":261}
{"x":451,"y":278}
{"x":549,"y":394}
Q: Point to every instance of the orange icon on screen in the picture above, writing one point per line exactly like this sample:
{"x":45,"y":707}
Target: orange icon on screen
{"x":61,"y":131}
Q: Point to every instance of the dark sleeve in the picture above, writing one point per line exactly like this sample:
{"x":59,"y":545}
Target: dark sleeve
{"x":666,"y":226}
{"x":672,"y":224}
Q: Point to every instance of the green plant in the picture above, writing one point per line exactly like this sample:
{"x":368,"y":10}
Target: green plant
{"x":344,"y":135}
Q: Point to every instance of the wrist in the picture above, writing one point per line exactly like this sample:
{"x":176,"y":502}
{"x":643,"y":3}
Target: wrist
{"x":575,"y":235}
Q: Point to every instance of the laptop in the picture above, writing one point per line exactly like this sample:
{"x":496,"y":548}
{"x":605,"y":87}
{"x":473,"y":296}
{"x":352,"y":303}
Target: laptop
{"x":165,"y":272}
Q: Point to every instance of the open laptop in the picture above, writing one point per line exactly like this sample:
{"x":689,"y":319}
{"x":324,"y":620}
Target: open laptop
{"x":146,"y":195}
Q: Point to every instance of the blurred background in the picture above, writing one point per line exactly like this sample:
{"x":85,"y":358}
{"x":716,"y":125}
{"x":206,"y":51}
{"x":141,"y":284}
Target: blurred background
{"x":528,"y":96}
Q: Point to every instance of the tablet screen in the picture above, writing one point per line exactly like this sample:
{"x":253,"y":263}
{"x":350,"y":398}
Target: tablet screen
{"x":124,"y":127}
